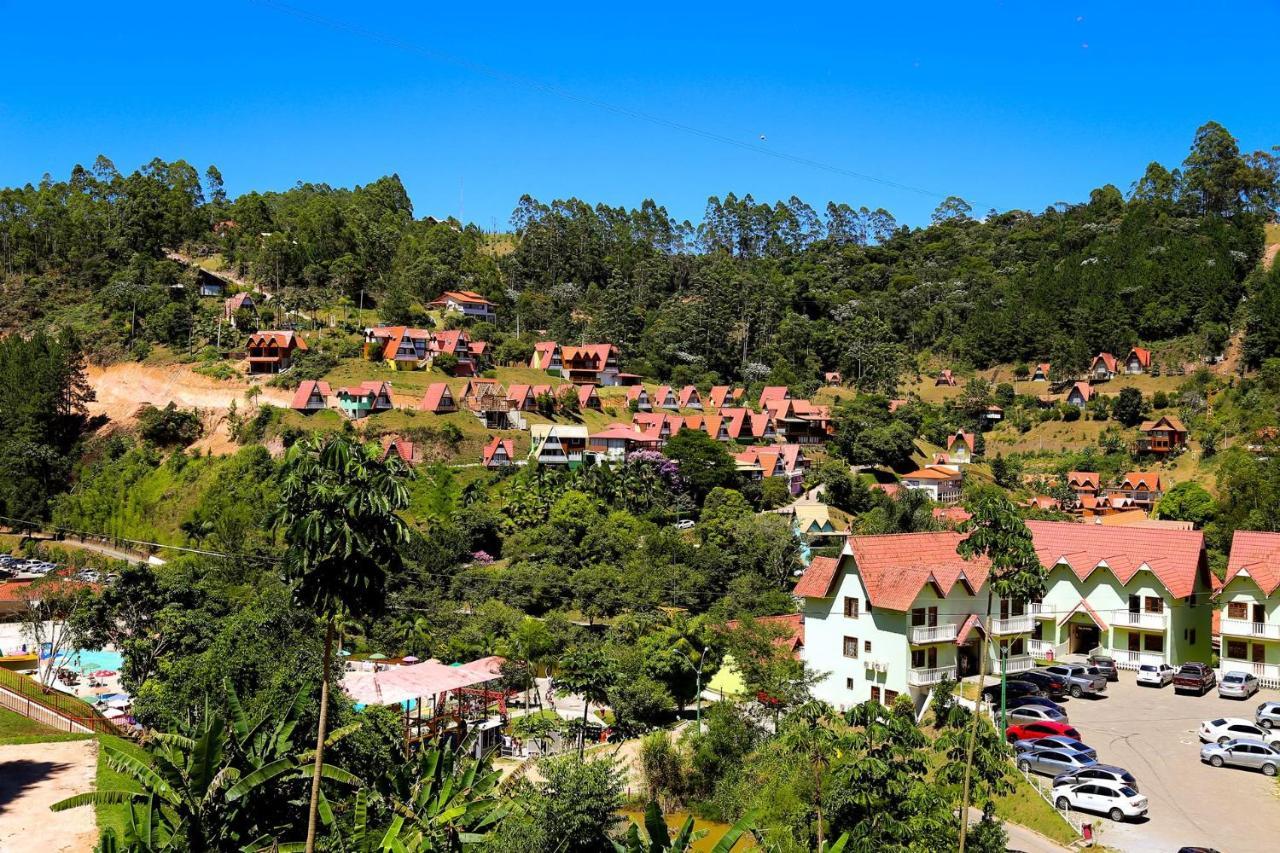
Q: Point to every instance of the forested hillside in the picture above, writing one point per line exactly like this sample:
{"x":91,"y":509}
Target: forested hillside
{"x":753,"y":291}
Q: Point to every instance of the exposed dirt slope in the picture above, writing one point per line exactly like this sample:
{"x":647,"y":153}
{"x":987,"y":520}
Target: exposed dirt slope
{"x":122,"y":388}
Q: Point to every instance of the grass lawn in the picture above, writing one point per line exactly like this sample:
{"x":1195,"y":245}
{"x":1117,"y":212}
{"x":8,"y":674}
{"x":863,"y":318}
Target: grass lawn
{"x":115,"y":816}
{"x":1027,"y":808}
{"x":15,"y":728}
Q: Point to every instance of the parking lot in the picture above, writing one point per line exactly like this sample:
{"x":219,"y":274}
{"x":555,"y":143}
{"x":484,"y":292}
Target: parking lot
{"x":1152,"y":733}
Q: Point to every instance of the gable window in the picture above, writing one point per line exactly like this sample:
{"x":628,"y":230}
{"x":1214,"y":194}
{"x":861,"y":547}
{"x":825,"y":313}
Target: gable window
{"x":850,"y":607}
{"x":1237,"y":610}
{"x":1153,"y":604}
{"x":851,"y":647}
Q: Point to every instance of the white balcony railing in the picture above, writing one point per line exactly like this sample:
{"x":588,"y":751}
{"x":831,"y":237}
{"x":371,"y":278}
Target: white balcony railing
{"x":1126,"y":659}
{"x":1245,"y":628}
{"x":1039,"y":610}
{"x":1011,"y":625}
{"x":1015,"y":663}
{"x":1139,"y":619}
{"x":1267,"y":673}
{"x":945,"y":633}
{"x":928,"y":677}
{"x":1046,"y":649}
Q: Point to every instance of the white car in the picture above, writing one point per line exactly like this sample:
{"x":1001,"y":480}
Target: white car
{"x":1155,"y":674}
{"x":1224,"y":729}
{"x":684,"y":524}
{"x":1114,"y":799}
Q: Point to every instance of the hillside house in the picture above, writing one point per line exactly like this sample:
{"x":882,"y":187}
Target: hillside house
{"x":468,"y":303}
{"x":721,"y":396}
{"x":784,"y":461}
{"x":940,"y":482}
{"x":488,"y":401}
{"x":945,"y":378}
{"x":367,"y":398}
{"x":815,"y":524}
{"x":665,"y":398}
{"x":399,"y":347}
{"x":456,"y":342}
{"x":1098,"y":507}
{"x":960,"y":448}
{"x":208,"y":284}
{"x":613,"y":443}
{"x":239,"y":302}
{"x":1080,"y":395}
{"x":800,"y":421}
{"x":899,"y":613}
{"x":773,"y":393}
{"x":498,"y":453}
{"x":1103,"y":366}
{"x":638,"y":395}
{"x":588,"y":397}
{"x":1163,"y":435}
{"x":408,"y":452}
{"x":1084,"y":483}
{"x":1137,"y":361}
{"x":312,"y":396}
{"x":833,"y":378}
{"x":690,"y":398}
{"x":1250,"y":607}
{"x":521,"y":397}
{"x":438,"y":400}
{"x":1041,"y":372}
{"x":593,"y":363}
{"x":272,"y":352}
{"x":1143,"y":488}
{"x":991,"y":416}
{"x":558,"y":444}
{"x":546,"y":356}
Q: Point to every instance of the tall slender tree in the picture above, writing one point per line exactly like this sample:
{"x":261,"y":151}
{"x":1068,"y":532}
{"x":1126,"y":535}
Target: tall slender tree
{"x":338,"y":505}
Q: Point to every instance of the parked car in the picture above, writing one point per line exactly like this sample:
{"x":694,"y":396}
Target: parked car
{"x":1267,"y":715}
{"x":1116,"y":801}
{"x":1097,"y":773}
{"x":1106,"y":665}
{"x":1050,"y":685}
{"x":1056,"y":742}
{"x":1195,"y":678}
{"x":1053,"y":762}
{"x":1155,"y":674}
{"x":1243,"y":752}
{"x":1039,"y":701}
{"x":1238,"y":685}
{"x":685,"y":524}
{"x":1079,"y":680}
{"x":1013,"y":689}
{"x":1024,"y":731}
{"x":1035,"y":713}
{"x":1224,"y":729}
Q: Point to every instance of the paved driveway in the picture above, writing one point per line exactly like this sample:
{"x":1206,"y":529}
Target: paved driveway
{"x":1152,"y":734}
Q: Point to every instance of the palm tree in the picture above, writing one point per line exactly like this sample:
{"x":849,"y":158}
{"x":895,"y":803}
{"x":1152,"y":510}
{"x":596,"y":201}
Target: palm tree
{"x":338,"y":505}
{"x":590,"y":673}
{"x":818,"y":735}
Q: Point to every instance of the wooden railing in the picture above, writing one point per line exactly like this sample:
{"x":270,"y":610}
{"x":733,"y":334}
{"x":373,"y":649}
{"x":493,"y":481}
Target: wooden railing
{"x":29,"y":698}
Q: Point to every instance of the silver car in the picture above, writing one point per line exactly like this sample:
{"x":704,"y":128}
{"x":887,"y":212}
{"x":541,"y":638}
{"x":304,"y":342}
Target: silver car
{"x":1069,"y":744}
{"x":1035,"y":714}
{"x":1267,"y":715}
{"x":1243,"y":752}
{"x":1053,"y":762}
{"x":1238,"y":685}
{"x":1097,"y":773}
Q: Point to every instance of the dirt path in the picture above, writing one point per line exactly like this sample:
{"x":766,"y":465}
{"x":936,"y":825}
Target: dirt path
{"x":33,"y":777}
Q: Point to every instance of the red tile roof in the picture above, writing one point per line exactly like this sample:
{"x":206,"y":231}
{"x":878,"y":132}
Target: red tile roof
{"x":284,"y":340}
{"x":1174,"y":556}
{"x":688,"y":396}
{"x":437,"y":393}
{"x":1143,"y":356}
{"x":305,"y":388}
{"x":1148,"y":481}
{"x":966,"y":437}
{"x":1108,"y":361}
{"x":1093,"y":614}
{"x":1084,"y":389}
{"x":1164,"y":422}
{"x":771,"y":393}
{"x":466,"y":297}
{"x":635,"y":392}
{"x":895,"y":567}
{"x":816,"y":580}
{"x":1077,"y":479}
{"x":586,"y":394}
{"x":492,"y":448}
{"x":1257,"y":554}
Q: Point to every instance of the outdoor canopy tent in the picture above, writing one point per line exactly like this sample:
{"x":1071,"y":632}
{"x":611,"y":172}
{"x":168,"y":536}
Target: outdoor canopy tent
{"x":401,"y":684}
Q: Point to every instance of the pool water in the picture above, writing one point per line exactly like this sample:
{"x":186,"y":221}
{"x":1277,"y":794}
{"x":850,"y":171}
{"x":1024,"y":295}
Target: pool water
{"x":92,"y":660}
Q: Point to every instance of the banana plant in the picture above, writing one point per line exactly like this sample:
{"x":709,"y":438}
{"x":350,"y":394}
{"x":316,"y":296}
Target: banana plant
{"x":657,"y":837}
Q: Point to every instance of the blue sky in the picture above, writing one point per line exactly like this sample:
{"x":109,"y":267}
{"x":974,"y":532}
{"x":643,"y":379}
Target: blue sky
{"x":1006,"y":104}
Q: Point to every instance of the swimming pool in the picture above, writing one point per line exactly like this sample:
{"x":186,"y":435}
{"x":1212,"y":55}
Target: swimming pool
{"x":92,"y":660}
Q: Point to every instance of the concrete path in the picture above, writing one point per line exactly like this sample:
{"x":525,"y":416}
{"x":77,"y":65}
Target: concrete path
{"x":33,"y":777}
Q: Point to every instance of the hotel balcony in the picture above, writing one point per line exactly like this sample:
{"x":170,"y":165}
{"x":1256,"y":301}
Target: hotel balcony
{"x":1140,"y":619}
{"x":1011,"y":625}
{"x":924,"y":634}
{"x":930,"y":677}
{"x":1245,"y":628}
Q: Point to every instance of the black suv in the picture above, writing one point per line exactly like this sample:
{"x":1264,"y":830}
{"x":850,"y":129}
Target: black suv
{"x":1013,"y":689}
{"x":1050,"y":685}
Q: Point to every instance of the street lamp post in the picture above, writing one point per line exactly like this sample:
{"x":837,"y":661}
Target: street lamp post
{"x":702,"y":658}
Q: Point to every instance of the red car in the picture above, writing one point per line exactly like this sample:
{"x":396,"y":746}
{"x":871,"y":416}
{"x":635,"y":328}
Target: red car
{"x":1040,"y":729}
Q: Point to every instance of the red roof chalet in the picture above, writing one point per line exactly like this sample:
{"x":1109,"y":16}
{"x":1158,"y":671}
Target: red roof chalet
{"x":272,"y":352}
{"x":438,"y":399}
{"x":945,"y":378}
{"x":498,"y":453}
{"x":311,"y":396}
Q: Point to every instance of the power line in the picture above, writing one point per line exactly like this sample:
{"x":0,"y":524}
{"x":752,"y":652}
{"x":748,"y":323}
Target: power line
{"x":545,"y":88}
{"x":39,"y":525}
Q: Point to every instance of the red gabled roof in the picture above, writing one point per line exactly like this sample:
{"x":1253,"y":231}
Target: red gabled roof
{"x":1093,"y":614}
{"x":284,"y":340}
{"x":303,"y":394}
{"x":1143,"y":355}
{"x":896,"y":567}
{"x":586,"y":393}
{"x":1076,"y":479}
{"x":1168,"y":422}
{"x":635,"y":392}
{"x":492,"y":447}
{"x":616,"y":431}
{"x":816,"y":580}
{"x":520,"y":395}
{"x":1085,"y":390}
{"x":1147,"y":481}
{"x":469,"y":297}
{"x":1108,"y":361}
{"x":687,"y":395}
{"x":660,"y":396}
{"x":436,"y":392}
{"x":401,"y":447}
{"x":1174,"y":556}
{"x":718,"y":396}
{"x":450,"y":341}
{"x":966,"y":437}
{"x":1043,"y":367}
{"x":1258,"y":554}
{"x":771,"y":393}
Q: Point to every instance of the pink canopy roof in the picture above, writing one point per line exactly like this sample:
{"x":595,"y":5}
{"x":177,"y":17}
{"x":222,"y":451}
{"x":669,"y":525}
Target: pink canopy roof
{"x":402,"y":683}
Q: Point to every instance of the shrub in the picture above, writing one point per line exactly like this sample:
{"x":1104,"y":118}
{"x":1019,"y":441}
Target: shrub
{"x":169,"y":426}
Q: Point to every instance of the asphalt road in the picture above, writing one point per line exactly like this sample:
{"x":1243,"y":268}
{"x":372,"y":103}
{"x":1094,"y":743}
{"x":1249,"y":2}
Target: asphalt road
{"x":1152,"y":733}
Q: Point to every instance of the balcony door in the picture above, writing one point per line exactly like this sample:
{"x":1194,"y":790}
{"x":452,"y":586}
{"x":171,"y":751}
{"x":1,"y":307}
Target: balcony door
{"x":1259,"y":653}
{"x":1259,"y":613}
